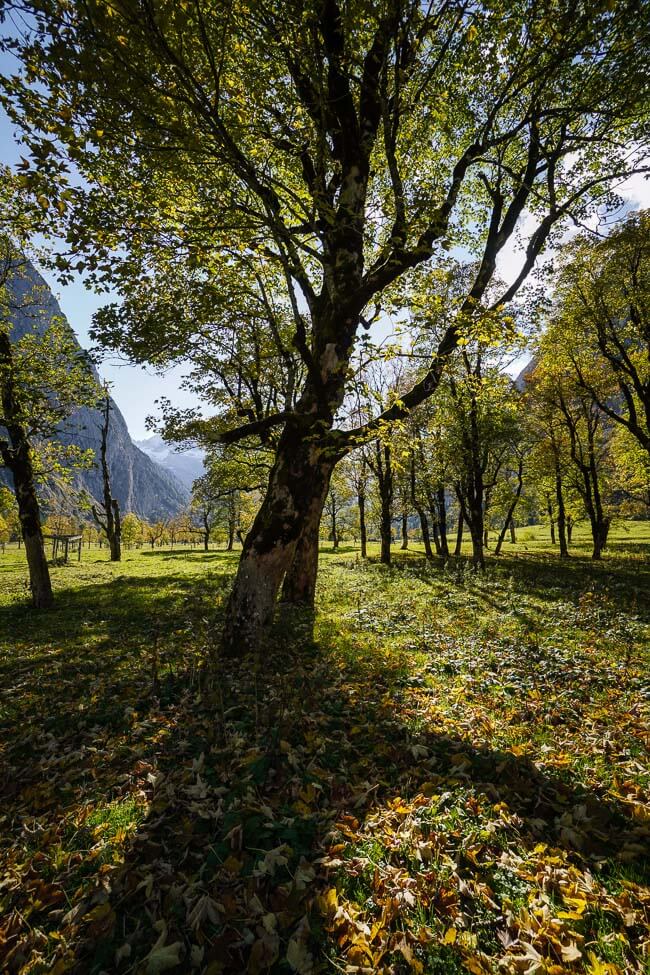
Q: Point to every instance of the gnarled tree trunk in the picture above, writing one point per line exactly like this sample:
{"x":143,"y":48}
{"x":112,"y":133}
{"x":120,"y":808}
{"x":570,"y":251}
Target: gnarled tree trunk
{"x":283,"y":539}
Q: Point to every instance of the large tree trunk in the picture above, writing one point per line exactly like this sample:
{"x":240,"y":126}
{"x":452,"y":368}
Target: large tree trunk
{"x":599,"y":533}
{"x":476,"y":533}
{"x":283,"y":539}
{"x":299,"y":586}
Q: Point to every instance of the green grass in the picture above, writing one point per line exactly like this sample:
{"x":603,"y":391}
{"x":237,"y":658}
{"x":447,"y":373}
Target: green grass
{"x":451,"y":775}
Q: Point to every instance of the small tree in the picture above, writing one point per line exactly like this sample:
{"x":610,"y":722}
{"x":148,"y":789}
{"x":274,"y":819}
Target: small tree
{"x":43,"y":379}
{"x":132,"y":529}
{"x":154,"y":532}
{"x":108,"y":519}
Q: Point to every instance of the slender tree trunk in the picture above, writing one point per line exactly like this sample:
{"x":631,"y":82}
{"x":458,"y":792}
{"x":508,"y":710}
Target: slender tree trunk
{"x":415,"y":501}
{"x":110,"y":523}
{"x":384,"y":474}
{"x":513,"y":533}
{"x":424,"y":528}
{"x":459,"y":535}
{"x":335,"y":534}
{"x":405,"y":531}
{"x":511,"y":510}
{"x":363,"y":532}
{"x":433,"y":514}
{"x":561,"y":516}
{"x":442,"y":522}
{"x":551,"y":519}
{"x":385,"y":531}
{"x":569,"y":529}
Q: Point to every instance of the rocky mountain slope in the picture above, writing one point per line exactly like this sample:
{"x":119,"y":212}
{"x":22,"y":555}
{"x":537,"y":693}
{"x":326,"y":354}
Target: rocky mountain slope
{"x":139,"y":483}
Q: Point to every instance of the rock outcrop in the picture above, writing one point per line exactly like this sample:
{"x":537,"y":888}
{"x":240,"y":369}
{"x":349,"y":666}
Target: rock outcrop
{"x":139,"y":484}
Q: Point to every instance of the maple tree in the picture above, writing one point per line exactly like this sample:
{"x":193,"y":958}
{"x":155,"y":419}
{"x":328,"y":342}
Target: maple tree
{"x":331,"y":150}
{"x":43,"y":379}
{"x":604,"y":314}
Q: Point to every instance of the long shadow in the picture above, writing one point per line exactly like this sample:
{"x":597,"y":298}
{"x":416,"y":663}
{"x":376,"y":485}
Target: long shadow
{"x":249,"y":784}
{"x":193,"y":555}
{"x":627,"y":585}
{"x":126,"y":635}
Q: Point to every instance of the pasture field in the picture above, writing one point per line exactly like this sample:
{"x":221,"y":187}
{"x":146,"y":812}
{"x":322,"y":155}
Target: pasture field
{"x":450,"y":774}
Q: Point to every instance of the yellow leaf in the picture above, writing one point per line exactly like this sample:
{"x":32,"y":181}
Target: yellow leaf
{"x":299,"y":957}
{"x":163,"y":958}
{"x":570,"y":952}
{"x":232,"y":865}
{"x":450,"y":936}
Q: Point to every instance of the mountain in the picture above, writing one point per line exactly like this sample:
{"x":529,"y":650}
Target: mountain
{"x":185,"y":465}
{"x":138,"y":482}
{"x":528,"y":370}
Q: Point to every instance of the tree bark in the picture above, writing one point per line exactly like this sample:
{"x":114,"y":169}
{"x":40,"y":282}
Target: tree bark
{"x":561,"y":516}
{"x":383,"y":471}
{"x":299,"y":587}
{"x":30,"y":521}
{"x":442,"y":522}
{"x":283,"y":539}
{"x":16,"y":455}
{"x":551,"y":519}
{"x":405,"y":531}
{"x":110,"y":523}
{"x":363,"y":531}
{"x":419,"y":507}
{"x":424,"y":529}
{"x":511,"y":510}
{"x":459,"y":535}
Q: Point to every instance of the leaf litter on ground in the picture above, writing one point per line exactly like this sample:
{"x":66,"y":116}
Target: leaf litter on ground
{"x":454,"y":779}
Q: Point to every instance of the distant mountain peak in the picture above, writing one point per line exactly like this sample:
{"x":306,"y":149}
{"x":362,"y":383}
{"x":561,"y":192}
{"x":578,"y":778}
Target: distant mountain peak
{"x":185,"y":464}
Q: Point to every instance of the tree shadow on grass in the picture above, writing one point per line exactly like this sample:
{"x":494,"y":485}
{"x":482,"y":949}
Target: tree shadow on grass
{"x":193,"y":555}
{"x":319,"y":764}
{"x":546,"y":576}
